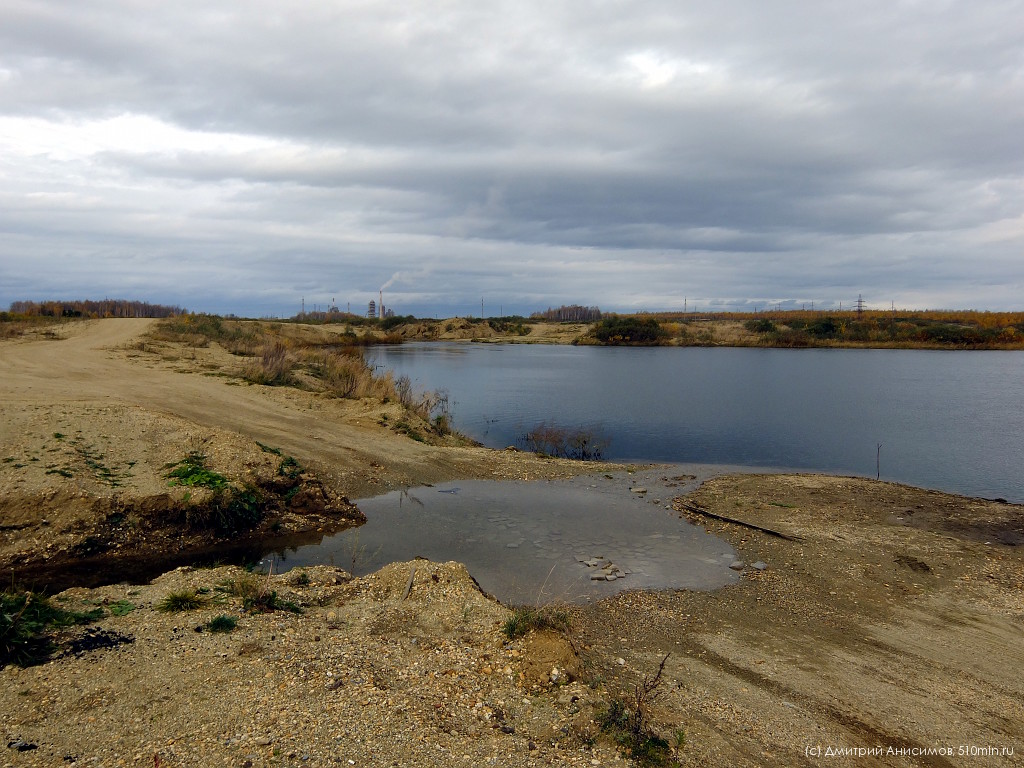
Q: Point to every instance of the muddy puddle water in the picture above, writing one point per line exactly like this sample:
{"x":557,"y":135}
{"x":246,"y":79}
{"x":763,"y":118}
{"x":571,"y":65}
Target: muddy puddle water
{"x":534,"y":542}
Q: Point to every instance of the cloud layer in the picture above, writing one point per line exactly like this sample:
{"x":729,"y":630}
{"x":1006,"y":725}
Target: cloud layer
{"x":635,"y":155}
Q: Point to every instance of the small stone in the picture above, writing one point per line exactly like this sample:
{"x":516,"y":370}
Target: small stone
{"x":508,"y":729}
{"x":638,"y":489}
{"x":736,"y":565}
{"x":620,"y":661}
{"x":760,"y":565}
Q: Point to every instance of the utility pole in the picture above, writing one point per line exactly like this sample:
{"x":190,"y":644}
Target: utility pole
{"x":481,"y":307}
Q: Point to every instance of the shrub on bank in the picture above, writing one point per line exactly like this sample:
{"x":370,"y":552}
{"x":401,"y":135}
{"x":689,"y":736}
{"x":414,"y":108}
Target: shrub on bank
{"x":578,"y":443}
{"x":629,"y":330}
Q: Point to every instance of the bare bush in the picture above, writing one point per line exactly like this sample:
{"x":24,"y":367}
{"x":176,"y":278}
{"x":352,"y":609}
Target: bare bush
{"x":274,"y":366}
{"x":404,"y":391}
{"x":346,"y":373}
{"x":565,"y":442}
{"x":630,"y":723}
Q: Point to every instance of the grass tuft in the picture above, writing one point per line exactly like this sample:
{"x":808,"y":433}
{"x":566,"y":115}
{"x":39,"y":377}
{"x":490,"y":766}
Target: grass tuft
{"x":525,"y":619}
{"x":222,"y":623}
{"x":256,"y":594}
{"x":183,"y":600}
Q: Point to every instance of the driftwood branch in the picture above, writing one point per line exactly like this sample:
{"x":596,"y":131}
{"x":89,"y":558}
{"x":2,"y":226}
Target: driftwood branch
{"x":408,"y":584}
{"x":704,"y":513}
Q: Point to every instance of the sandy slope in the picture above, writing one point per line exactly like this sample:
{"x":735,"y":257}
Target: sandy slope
{"x":96,"y":364}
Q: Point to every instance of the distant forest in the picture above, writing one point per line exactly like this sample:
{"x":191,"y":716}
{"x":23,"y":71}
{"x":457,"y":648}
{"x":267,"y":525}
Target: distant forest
{"x":571,"y":314}
{"x":91,"y":309}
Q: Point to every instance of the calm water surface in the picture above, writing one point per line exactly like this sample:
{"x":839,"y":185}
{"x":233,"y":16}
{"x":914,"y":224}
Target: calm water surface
{"x":534,"y":542}
{"x":947,"y":420}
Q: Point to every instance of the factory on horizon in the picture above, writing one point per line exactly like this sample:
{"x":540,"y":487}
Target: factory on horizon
{"x":375,"y":310}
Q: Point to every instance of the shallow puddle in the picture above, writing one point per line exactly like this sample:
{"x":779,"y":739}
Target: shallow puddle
{"x":535,"y":542}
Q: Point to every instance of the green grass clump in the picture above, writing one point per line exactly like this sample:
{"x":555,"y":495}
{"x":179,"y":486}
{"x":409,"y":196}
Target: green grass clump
{"x":26,"y":620}
{"x":121,"y":608}
{"x":183,"y":600}
{"x":222,"y":623}
{"x":268,"y":602}
{"x":525,"y":619}
{"x":230,"y":509}
{"x":193,"y":472}
{"x":289,"y":468}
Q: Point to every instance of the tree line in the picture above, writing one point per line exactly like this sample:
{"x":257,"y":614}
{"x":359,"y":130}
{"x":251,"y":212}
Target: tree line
{"x":573,"y":313}
{"x":93,"y":309}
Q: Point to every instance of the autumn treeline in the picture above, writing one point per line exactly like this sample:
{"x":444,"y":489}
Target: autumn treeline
{"x":93,"y":309}
{"x":573,"y":313}
{"x":980,"y":319}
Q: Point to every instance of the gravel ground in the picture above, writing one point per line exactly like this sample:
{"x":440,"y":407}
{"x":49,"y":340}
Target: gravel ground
{"x":360,"y":677}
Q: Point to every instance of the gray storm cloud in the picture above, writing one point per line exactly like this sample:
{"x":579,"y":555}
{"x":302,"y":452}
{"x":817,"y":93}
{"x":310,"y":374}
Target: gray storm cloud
{"x":237,"y":158}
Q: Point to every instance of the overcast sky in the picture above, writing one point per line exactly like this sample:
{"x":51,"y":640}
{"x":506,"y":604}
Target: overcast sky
{"x":637,"y":155}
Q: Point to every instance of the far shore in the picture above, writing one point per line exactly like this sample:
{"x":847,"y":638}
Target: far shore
{"x":791,"y":329}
